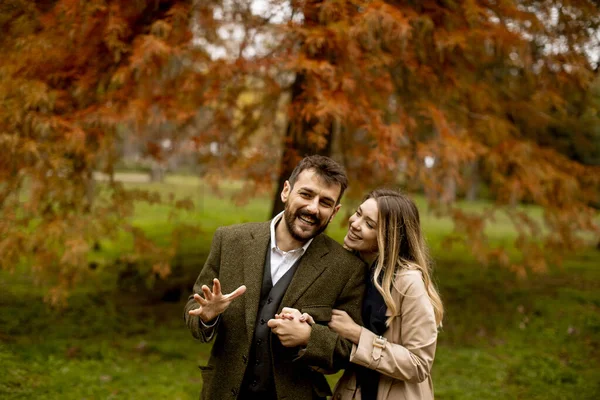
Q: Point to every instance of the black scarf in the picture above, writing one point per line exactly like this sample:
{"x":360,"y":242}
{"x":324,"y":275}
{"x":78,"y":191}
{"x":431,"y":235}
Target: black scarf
{"x":373,"y":315}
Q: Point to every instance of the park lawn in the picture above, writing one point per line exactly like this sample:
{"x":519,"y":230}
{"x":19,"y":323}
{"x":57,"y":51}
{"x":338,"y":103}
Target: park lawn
{"x":503,"y":337}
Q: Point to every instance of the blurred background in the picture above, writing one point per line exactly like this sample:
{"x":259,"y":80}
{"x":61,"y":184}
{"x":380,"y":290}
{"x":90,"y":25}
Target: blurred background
{"x":131,"y":129}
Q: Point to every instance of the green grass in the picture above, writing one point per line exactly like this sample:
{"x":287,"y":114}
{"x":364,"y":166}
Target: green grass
{"x":503,"y":337}
{"x":506,"y":338}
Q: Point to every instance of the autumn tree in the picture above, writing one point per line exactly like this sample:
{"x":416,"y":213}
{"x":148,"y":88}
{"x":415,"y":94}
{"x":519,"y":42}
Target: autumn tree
{"x":481,"y":88}
{"x":72,"y":72}
{"x":466,"y":83}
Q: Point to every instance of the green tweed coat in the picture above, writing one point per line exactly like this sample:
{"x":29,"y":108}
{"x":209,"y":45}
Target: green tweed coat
{"x":327,"y":277}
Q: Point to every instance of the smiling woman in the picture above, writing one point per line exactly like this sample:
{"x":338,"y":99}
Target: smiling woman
{"x":362,"y":230}
{"x":393,"y":352}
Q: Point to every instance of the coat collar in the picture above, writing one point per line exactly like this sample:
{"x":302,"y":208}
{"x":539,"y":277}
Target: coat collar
{"x":308,"y":270}
{"x":253,"y":259}
{"x":254,"y":256}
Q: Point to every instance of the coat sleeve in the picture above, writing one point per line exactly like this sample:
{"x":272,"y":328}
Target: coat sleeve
{"x":205,"y":333}
{"x":411,"y":358}
{"x":326,"y":349}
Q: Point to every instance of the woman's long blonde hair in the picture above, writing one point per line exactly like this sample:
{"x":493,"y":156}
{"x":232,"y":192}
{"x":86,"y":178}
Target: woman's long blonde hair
{"x":401,"y":245}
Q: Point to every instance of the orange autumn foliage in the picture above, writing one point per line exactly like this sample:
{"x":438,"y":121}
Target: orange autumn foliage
{"x":480,"y":86}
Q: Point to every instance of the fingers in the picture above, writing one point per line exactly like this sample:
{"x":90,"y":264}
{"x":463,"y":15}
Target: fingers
{"x":216,"y":287}
{"x":279,"y":324}
{"x":290,"y":310}
{"x":200,"y":300}
{"x":195,"y":312}
{"x":236,"y":293}
{"x":338,"y":312}
{"x":307,"y":318}
{"x":335,"y":320}
{"x":216,"y":293}
{"x":273,"y":324}
{"x":208,"y":295}
{"x":334,"y":327}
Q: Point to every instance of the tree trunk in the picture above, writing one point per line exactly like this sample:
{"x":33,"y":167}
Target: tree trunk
{"x":90,"y":189}
{"x":157,"y":171}
{"x":474,"y":182}
{"x":449,"y":193}
{"x":299,"y":136}
{"x":297,"y":143}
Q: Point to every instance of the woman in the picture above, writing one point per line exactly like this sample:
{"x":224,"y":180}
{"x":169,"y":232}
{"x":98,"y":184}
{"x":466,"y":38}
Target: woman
{"x":393,"y":352}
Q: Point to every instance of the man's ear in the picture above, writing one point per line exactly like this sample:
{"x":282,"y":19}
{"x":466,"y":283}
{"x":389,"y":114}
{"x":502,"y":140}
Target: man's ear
{"x":335,"y":211}
{"x":285,"y":193}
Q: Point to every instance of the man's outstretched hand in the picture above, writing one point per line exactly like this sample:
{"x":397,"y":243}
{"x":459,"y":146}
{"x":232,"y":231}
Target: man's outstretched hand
{"x":214,"y":303}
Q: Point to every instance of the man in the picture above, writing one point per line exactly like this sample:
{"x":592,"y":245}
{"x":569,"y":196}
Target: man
{"x":287,"y":262}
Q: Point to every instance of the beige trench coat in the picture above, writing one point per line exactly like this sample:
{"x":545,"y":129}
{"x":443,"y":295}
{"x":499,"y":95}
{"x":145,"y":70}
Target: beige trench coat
{"x":404,"y":359}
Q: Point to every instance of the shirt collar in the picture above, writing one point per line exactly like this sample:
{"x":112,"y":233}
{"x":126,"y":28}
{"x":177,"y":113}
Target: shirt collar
{"x":274,"y":222}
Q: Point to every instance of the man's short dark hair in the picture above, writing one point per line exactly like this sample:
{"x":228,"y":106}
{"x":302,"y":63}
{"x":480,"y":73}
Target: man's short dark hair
{"x":326,"y":168}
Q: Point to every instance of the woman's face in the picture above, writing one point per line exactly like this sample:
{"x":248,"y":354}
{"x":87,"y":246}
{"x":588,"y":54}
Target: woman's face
{"x":362,"y":229}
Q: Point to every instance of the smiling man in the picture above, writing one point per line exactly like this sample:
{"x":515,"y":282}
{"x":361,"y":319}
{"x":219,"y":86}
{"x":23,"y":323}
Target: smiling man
{"x":285,"y":262}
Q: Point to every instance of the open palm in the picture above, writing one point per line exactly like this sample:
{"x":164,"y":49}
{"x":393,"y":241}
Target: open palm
{"x":214,"y":302}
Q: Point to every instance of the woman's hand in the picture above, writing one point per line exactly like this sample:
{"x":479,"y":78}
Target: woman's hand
{"x":292,"y":313}
{"x":292,"y":327}
{"x":345,"y":326}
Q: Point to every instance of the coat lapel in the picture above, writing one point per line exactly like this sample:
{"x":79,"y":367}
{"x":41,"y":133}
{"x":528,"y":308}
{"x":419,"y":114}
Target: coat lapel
{"x":308,"y":270}
{"x":253,"y":264}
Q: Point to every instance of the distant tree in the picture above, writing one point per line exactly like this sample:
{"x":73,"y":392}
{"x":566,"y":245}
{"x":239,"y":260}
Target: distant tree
{"x":576,"y":133}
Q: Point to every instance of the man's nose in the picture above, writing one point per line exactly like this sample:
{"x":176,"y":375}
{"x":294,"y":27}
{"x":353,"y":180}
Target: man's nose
{"x":313,"y":206}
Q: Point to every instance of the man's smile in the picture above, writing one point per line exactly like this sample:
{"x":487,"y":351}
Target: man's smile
{"x":307,"y":219}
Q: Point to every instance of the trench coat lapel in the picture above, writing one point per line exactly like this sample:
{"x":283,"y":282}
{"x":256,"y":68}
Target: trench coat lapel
{"x":308,"y":270}
{"x":253,"y":260}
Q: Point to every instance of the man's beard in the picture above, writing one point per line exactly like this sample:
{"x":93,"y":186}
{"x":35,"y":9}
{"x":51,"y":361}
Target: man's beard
{"x":289,"y":222}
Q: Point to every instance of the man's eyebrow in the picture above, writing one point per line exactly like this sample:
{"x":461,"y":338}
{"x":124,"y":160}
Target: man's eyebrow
{"x":309,"y":190}
{"x":329,"y":199}
{"x":306,"y":189}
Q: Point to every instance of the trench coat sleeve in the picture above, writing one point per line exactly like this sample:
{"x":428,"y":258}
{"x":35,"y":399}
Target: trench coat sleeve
{"x":326,"y":349}
{"x":411,"y":358}
{"x":205,"y":332}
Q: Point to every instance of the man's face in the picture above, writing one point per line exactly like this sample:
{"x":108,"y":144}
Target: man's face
{"x":309,"y":206}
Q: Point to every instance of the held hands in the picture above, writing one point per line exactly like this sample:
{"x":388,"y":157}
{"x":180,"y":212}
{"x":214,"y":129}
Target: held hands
{"x":292,"y":313}
{"x":214,"y":302}
{"x":291,"y":327}
{"x":342,"y":324}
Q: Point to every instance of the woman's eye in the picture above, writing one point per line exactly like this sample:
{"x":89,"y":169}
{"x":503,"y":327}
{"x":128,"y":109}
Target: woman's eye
{"x":370,"y":226}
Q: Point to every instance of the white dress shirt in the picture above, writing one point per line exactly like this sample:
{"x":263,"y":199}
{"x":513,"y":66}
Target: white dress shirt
{"x":282,"y":261}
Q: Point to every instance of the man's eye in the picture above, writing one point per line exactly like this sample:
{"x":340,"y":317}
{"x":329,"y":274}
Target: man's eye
{"x":305,"y":195}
